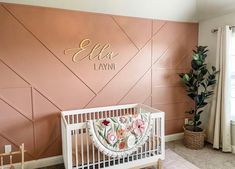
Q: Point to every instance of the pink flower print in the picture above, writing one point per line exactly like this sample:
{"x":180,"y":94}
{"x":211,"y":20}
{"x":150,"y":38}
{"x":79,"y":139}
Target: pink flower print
{"x":138,"y":126}
{"x":120,"y":133}
{"x":111,"y":138}
{"x":122,"y":119}
{"x":122,"y":145}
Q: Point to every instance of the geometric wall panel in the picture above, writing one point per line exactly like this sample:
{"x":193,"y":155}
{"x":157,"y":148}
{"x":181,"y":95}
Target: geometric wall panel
{"x":123,"y":82}
{"x":16,"y":127}
{"x":131,"y":27}
{"x":140,"y":91}
{"x":10,"y":79}
{"x":47,"y":121}
{"x":19,"y":98}
{"x":38,"y":79}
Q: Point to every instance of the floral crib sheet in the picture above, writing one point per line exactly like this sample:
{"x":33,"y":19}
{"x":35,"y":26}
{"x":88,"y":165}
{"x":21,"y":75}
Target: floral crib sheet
{"x":120,"y":136}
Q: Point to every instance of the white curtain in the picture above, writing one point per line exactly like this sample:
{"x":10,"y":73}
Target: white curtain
{"x":219,"y":127}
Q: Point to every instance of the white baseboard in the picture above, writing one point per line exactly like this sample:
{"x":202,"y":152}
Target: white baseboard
{"x":44,"y":162}
{"x":172,"y":137}
{"x":233,"y":149}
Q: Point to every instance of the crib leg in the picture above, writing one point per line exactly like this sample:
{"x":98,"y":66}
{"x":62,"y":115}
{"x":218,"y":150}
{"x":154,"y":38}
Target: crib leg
{"x":159,"y":164}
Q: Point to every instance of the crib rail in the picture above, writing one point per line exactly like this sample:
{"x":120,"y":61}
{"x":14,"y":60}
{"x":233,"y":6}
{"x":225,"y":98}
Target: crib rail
{"x":79,"y":152}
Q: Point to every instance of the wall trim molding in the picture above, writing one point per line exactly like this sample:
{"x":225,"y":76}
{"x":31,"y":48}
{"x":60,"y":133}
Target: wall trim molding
{"x":173,"y":137}
{"x":44,"y":162}
{"x":233,"y":149}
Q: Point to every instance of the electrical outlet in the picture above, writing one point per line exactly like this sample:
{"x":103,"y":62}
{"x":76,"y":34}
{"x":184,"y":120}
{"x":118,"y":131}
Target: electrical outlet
{"x":8,"y":148}
{"x":186,"y":121}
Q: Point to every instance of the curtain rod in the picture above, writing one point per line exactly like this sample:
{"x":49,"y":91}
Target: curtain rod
{"x":216,"y":30}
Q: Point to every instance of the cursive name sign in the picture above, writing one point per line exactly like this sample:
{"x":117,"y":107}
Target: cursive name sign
{"x":98,"y":51}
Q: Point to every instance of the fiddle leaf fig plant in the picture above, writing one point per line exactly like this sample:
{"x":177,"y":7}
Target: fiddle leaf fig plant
{"x":198,"y":82}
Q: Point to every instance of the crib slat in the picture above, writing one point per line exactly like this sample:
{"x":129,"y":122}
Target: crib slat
{"x":99,"y":116}
{"x":102,"y":116}
{"x":68,"y":119}
{"x":82,"y":147}
{"x":150,"y":141}
{"x":157,"y":125}
{"x":153,"y":136}
{"x":87,"y":141}
{"x":108,"y":114}
{"x":93,"y":155}
{"x":76,"y":149}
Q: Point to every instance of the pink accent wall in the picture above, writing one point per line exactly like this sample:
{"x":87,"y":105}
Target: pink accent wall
{"x":37,"y":80}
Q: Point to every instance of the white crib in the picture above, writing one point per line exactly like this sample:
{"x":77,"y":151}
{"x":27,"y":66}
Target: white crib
{"x":79,"y":152}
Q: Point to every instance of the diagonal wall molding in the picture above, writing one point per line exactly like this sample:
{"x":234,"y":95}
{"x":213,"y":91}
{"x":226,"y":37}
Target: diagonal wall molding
{"x":123,"y":30}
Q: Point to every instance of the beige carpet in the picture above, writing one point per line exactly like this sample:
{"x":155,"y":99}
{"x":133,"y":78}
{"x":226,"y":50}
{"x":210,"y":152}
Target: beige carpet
{"x":207,"y":158}
{"x":174,"y":161}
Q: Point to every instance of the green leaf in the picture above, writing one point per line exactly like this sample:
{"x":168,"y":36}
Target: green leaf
{"x":192,"y":95}
{"x":200,"y":98}
{"x":101,"y":134}
{"x":190,"y":122}
{"x":199,"y":123}
{"x":194,"y":65}
{"x":199,"y":63}
{"x":204,"y":71}
{"x":186,"y":77}
{"x":200,"y":112}
{"x":211,"y":82}
{"x":204,"y":85}
{"x":114,"y":145}
{"x":100,"y":128}
{"x":190,"y":112}
{"x":197,"y":117}
{"x":209,"y":93}
{"x":113,"y":120}
{"x":203,"y":104}
{"x":195,"y":56}
{"x":213,"y":68}
{"x":181,"y":75}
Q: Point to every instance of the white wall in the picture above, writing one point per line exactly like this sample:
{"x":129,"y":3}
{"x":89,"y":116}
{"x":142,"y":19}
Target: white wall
{"x":176,"y":10}
{"x":209,"y":39}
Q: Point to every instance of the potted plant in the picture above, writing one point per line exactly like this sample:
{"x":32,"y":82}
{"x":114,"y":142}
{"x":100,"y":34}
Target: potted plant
{"x":198,"y":82}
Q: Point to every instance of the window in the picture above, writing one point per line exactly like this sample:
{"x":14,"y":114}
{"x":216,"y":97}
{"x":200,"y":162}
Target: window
{"x":233,"y":75}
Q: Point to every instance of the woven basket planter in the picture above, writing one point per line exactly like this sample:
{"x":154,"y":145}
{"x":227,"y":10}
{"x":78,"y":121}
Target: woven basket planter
{"x":194,"y":140}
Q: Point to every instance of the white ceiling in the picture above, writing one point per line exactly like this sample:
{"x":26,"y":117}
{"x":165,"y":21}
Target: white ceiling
{"x":179,"y":10}
{"x":213,"y":8}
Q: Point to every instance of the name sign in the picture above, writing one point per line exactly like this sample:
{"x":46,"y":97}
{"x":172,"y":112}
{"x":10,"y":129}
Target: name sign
{"x":96,"y":52}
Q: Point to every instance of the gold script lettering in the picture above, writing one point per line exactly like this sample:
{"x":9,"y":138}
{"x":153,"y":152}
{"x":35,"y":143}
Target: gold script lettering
{"x":97,"y":51}
{"x":82,"y":46}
